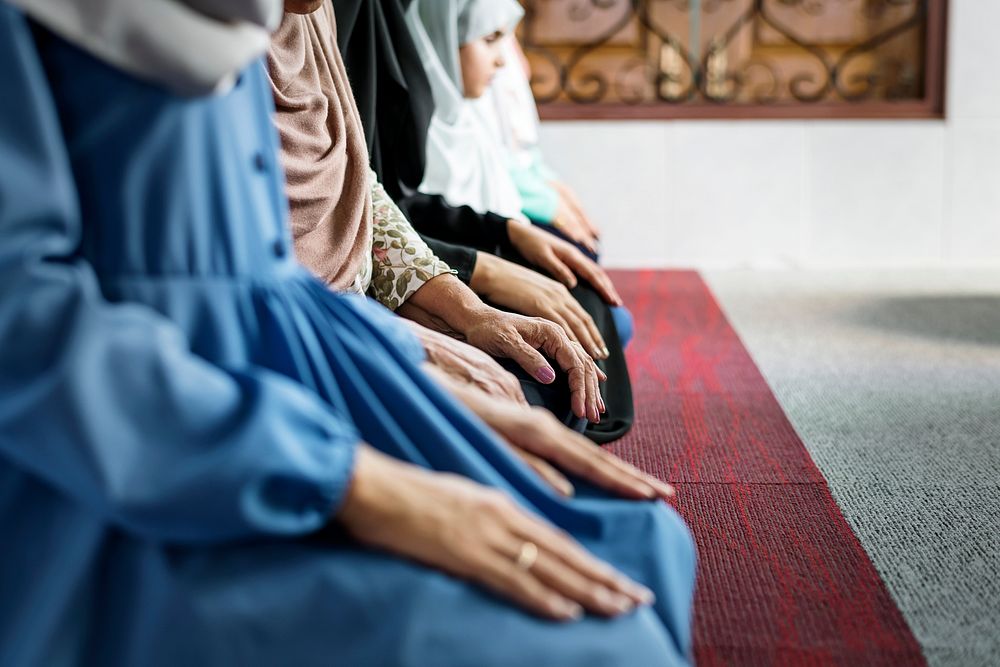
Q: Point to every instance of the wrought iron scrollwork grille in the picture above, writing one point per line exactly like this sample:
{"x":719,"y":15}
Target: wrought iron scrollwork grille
{"x":736,"y":58}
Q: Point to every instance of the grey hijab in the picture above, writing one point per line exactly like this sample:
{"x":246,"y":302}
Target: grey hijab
{"x":193,"y":47}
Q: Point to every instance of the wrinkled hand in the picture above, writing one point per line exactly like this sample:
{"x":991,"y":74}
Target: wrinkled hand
{"x":560,"y":259}
{"x":530,"y":293}
{"x":468,"y":364}
{"x":447,"y":305}
{"x":519,"y":338}
{"x":477,"y":533}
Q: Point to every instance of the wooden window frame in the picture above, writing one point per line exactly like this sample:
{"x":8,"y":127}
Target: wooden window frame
{"x":931,"y":107}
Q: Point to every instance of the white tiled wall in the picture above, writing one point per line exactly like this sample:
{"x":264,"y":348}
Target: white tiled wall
{"x":801,"y":193}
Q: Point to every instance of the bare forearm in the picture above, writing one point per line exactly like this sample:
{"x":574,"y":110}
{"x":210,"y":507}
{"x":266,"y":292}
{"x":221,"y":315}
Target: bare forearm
{"x":448,"y":301}
{"x":485,"y":275}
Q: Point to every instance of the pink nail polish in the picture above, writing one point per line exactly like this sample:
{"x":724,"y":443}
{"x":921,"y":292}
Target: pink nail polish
{"x":546,"y":375}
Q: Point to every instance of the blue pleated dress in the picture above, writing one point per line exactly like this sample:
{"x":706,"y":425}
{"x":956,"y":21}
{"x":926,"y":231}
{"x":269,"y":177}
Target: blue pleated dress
{"x":180,"y":405}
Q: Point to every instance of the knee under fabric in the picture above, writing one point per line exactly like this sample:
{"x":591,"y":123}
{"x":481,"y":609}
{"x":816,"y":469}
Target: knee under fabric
{"x":624,"y":323}
{"x":617,"y":391}
{"x":555,"y":232}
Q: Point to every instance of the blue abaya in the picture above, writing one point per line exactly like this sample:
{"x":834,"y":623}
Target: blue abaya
{"x":180,"y":404}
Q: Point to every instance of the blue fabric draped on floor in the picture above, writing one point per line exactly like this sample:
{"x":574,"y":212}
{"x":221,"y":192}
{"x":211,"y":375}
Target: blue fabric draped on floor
{"x":167,"y":459}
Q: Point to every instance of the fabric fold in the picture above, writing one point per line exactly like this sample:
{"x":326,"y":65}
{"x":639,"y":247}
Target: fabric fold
{"x":323,"y":151}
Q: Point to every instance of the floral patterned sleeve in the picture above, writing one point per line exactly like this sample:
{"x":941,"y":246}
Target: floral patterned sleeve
{"x":403,"y":262}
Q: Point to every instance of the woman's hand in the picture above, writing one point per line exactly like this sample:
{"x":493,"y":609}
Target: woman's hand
{"x":560,"y":259}
{"x":537,"y":433}
{"x":447,"y":305}
{"x":520,"y":338}
{"x":480,"y":534}
{"x":470,"y":395}
{"x":530,"y":293}
{"x":467,"y":364}
{"x":548,"y":446}
{"x":568,"y":195}
{"x":464,"y":392}
{"x":568,"y":221}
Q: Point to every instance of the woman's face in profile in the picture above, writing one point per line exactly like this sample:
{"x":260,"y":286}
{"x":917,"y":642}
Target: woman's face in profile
{"x":480,"y":60}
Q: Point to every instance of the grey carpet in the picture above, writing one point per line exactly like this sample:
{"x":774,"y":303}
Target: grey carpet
{"x":893,"y":382}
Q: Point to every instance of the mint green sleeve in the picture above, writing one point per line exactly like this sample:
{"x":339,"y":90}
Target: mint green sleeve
{"x":540,"y":201}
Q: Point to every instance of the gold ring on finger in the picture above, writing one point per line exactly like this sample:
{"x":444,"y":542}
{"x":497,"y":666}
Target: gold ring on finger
{"x":527,"y":556}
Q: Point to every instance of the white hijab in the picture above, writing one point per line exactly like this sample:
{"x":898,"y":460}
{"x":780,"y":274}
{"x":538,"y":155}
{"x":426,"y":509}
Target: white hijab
{"x":193,"y":47}
{"x":510,"y":105}
{"x":466,"y":162}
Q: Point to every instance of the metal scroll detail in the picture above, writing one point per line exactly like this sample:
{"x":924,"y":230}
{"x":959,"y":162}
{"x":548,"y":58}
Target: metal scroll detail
{"x":751,"y":52}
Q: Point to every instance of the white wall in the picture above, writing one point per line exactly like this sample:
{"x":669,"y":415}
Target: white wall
{"x":804,"y":193}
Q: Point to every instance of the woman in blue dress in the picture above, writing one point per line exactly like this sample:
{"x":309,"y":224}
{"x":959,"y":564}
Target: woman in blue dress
{"x":182,"y":407}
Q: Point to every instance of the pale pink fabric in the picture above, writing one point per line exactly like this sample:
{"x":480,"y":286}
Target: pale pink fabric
{"x":323,"y":149}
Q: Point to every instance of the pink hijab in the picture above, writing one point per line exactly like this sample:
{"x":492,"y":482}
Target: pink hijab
{"x":323,"y":149}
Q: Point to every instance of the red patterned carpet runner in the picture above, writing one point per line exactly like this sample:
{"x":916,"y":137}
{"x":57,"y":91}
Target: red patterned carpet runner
{"x":782,"y":578}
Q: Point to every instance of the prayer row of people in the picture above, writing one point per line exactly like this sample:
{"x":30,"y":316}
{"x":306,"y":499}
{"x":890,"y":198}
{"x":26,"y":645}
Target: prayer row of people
{"x":304,"y":350}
